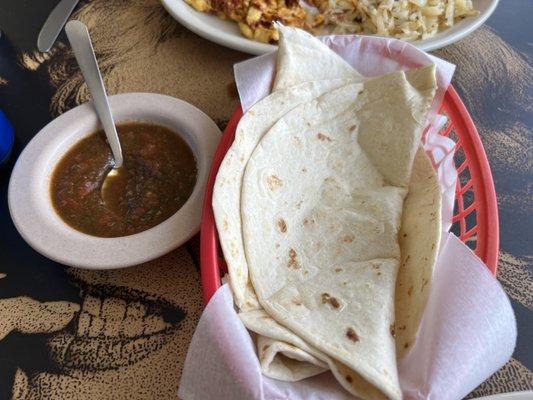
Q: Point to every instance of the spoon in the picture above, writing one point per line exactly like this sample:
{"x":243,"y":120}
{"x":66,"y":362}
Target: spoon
{"x":78,"y":36}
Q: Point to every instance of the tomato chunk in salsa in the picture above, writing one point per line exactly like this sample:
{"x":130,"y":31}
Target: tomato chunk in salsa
{"x":155,"y":181}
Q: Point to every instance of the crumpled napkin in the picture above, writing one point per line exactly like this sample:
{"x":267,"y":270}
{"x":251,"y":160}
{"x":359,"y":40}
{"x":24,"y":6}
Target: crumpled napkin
{"x":468,"y":330}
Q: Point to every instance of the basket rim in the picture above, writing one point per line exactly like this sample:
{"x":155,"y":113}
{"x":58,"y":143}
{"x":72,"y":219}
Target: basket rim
{"x":483,"y":186}
{"x":483,"y":183}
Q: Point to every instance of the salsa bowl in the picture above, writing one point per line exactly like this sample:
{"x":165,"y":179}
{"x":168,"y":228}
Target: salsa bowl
{"x":29,"y":197}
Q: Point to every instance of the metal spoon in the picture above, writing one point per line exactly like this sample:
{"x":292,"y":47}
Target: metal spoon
{"x":79,"y":38}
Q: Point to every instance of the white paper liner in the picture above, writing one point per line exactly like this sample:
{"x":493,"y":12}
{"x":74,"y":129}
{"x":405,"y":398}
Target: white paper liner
{"x":468,"y":330}
{"x":467,"y":333}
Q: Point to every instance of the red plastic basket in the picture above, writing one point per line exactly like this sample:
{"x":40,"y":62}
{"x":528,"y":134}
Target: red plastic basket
{"x":475,"y":218}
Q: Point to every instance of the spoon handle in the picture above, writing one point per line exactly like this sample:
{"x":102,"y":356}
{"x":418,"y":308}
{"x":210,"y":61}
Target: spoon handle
{"x":79,"y":38}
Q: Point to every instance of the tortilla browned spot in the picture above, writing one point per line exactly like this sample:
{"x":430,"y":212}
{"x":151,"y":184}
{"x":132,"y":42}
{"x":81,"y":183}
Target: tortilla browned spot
{"x":348,"y":238}
{"x":273,"y":182}
{"x":327,"y":298}
{"x":282,"y":225}
{"x":293,"y":261}
{"x":352,"y":335}
{"x":323,"y":138}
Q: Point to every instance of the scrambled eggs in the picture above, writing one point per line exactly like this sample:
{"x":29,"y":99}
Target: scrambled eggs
{"x":255,"y":17}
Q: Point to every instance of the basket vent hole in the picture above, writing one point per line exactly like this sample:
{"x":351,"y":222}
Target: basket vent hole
{"x":459,"y":156}
{"x":456,"y":226}
{"x":465,"y":177}
{"x":455,"y":206}
{"x":456,"y":229}
{"x":447,"y":123}
{"x":453,"y":135}
{"x":468,"y":198}
{"x":471,"y":220}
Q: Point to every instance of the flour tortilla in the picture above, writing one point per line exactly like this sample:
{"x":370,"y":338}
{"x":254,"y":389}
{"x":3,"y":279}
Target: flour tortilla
{"x":419,"y":237}
{"x":272,"y":359}
{"x":321,"y":214}
{"x":301,"y":63}
{"x":227,"y":188}
{"x":297,"y":63}
{"x":303,"y":58}
{"x":286,"y":362}
{"x":226,"y":206}
{"x":419,"y":240}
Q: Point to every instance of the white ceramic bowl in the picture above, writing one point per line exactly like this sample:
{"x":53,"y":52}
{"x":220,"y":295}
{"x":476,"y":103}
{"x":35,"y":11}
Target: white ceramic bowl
{"x":227,"y":33}
{"x":29,"y":188}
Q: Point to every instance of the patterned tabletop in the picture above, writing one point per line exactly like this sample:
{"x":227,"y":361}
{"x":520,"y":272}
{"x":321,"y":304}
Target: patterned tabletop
{"x":141,"y":48}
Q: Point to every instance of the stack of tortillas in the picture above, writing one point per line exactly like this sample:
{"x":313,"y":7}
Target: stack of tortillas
{"x":328,"y":212}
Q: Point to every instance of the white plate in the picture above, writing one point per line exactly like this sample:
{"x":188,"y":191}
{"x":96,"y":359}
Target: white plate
{"x":29,"y":188}
{"x":227,"y":33}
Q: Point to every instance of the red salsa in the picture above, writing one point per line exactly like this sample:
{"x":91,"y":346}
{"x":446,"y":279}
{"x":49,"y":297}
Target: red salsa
{"x":156,"y":179}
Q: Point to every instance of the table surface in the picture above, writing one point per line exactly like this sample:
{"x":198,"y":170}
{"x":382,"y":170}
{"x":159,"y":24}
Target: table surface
{"x":140,"y":48}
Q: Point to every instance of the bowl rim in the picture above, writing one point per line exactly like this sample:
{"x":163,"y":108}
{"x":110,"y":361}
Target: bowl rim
{"x":41,"y":226}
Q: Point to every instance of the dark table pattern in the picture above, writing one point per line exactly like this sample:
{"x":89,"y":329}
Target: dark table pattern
{"x":141,"y":48}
